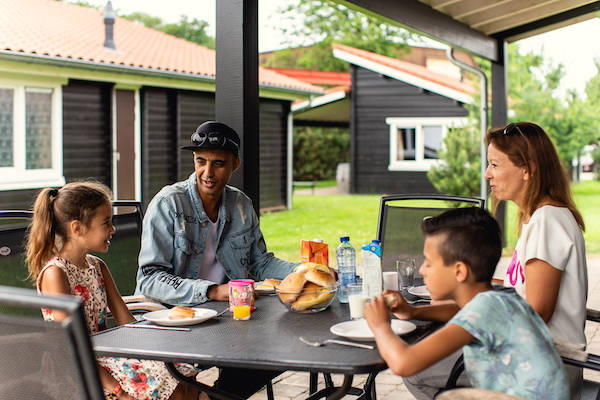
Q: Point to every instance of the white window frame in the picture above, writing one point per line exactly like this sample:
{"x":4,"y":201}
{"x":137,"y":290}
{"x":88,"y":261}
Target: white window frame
{"x":18,"y":177}
{"x":420,"y":163}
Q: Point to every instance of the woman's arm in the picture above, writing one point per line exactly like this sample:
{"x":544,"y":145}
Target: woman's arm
{"x":404,"y":359}
{"x":542,"y":283}
{"x":117,"y":306}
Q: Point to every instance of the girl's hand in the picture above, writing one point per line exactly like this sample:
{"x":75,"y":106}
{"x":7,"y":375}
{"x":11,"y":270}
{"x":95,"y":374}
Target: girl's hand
{"x":376,"y":313}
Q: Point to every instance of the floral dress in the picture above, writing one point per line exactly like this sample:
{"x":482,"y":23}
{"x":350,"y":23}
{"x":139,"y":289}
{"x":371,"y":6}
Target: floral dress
{"x":141,"y":379}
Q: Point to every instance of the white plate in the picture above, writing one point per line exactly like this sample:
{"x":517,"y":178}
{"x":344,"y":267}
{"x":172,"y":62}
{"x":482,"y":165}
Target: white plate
{"x":263,"y":291}
{"x":420,"y":291}
{"x":162,"y":317}
{"x":359,"y":330}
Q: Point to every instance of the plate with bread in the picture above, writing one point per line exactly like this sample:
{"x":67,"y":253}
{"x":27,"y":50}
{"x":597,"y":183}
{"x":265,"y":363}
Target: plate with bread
{"x":267,"y":286}
{"x":180,"y":315}
{"x":359,"y":329}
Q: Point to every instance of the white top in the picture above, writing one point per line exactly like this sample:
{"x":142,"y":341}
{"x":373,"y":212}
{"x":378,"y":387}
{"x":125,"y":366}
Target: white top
{"x":552,"y":235}
{"x":210,"y":268}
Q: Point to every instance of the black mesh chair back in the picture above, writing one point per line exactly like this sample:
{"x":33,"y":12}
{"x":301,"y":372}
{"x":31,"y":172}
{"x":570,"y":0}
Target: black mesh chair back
{"x":399,"y":224}
{"x":121,"y":258}
{"x":45,"y":360}
{"x":122,"y":255}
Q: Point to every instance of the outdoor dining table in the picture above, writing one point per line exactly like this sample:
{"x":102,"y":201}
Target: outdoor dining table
{"x":268,"y":341}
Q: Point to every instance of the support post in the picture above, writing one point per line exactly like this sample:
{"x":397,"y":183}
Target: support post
{"x":237,"y":103}
{"x":499,"y":112}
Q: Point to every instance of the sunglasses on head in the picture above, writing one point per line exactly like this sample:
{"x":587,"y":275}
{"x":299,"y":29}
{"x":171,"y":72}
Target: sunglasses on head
{"x":213,"y":138}
{"x":512,"y":128}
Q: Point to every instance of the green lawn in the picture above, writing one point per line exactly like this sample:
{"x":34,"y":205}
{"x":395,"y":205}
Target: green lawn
{"x":330,"y":216}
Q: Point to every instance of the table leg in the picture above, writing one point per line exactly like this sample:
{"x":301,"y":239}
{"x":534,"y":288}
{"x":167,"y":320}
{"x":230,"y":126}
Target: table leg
{"x":370,"y":387}
{"x":212,"y":392}
{"x":333,"y":393}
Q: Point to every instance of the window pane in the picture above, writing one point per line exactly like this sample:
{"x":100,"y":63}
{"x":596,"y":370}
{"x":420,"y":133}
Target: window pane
{"x":38,"y":120}
{"x":6,"y":128}
{"x":406,"y":144}
{"x":432,"y":136}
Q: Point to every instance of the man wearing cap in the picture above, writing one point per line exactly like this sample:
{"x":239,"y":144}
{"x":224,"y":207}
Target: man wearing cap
{"x":200,"y":233}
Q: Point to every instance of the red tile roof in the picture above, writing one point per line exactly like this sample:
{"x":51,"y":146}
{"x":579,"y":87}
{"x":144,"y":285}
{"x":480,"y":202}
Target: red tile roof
{"x":409,"y":68}
{"x":68,"y":31}
{"x":316,"y":77}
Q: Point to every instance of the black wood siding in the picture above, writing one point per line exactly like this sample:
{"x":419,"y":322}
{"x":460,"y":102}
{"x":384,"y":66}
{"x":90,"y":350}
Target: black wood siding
{"x":273,"y":151}
{"x":159,"y":140}
{"x":193,"y":109}
{"x":86,"y":139}
{"x":87,"y":131}
{"x":376,"y":98}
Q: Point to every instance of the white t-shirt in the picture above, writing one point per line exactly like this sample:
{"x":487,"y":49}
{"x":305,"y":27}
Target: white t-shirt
{"x":552,"y":235}
{"x":210,"y":268}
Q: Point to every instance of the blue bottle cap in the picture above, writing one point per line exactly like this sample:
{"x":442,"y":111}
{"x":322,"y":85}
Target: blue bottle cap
{"x":344,"y":239}
{"x":375,"y":241}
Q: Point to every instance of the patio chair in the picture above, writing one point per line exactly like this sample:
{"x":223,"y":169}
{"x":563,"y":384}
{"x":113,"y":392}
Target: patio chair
{"x":399,"y":223}
{"x":121,"y":257}
{"x":45,"y":360}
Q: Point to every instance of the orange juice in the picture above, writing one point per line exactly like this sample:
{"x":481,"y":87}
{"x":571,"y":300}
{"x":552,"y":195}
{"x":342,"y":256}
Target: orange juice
{"x":241,"y":312}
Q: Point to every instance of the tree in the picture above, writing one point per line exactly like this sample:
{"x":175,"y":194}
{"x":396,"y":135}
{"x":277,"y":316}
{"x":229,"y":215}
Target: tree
{"x":325,"y":22}
{"x":191,"y":30}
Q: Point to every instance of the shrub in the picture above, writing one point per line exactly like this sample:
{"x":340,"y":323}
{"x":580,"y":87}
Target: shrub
{"x":596,"y":157}
{"x":459,"y":170}
{"x":318,"y":151}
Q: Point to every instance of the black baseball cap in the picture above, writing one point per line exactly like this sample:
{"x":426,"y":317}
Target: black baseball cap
{"x":215,"y":135}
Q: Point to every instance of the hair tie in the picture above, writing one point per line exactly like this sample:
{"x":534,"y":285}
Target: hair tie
{"x":54,"y":192}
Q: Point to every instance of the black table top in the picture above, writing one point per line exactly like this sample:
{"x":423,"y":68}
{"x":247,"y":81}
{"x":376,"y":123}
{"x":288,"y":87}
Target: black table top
{"x":269,"y":340}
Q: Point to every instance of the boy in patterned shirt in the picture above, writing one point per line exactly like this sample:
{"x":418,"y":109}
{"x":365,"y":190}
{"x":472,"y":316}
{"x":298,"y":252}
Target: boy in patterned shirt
{"x":507,"y":347}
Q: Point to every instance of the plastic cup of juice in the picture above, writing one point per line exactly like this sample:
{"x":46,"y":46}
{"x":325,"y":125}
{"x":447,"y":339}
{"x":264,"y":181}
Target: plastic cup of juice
{"x":240,"y":299}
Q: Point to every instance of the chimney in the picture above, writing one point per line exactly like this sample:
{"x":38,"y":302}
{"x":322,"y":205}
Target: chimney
{"x":109,"y":22}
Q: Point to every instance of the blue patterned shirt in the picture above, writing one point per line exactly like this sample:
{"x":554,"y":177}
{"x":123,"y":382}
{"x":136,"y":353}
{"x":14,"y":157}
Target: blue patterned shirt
{"x":513,"y":351}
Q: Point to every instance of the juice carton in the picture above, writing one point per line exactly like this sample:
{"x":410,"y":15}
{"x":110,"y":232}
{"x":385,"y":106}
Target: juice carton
{"x":314,"y":251}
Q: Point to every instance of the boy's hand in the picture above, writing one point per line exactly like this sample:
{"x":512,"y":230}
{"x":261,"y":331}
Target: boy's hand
{"x":397,"y":304}
{"x":376,"y":313}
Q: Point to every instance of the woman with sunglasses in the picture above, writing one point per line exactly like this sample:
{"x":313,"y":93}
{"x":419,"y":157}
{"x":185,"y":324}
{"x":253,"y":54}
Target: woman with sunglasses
{"x":548,"y":267}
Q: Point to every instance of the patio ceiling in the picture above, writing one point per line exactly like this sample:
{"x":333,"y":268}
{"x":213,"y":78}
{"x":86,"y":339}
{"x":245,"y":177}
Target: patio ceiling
{"x":478,"y":25}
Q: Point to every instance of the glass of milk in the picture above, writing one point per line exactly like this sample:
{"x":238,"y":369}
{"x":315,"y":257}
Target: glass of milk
{"x":357,"y":300}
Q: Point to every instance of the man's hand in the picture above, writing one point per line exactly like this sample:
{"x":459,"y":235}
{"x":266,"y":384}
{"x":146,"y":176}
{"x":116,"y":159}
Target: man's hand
{"x":376,"y":313}
{"x":218,"y":292}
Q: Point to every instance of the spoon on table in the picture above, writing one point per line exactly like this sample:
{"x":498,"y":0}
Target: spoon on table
{"x":344,"y":343}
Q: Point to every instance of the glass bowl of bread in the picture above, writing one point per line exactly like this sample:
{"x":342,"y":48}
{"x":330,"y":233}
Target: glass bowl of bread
{"x":309,"y":289}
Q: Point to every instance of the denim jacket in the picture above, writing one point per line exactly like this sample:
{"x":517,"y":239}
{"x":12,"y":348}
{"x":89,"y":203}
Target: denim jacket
{"x":173,"y":240}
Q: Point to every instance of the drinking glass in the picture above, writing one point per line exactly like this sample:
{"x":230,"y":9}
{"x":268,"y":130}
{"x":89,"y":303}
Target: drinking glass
{"x":357,"y":300}
{"x":406,"y":272}
{"x":390,"y":280}
{"x":240,"y":299}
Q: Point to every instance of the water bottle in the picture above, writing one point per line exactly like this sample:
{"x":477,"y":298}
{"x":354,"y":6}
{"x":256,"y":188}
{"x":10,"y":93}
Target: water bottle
{"x":371,"y":255}
{"x":346,"y":261}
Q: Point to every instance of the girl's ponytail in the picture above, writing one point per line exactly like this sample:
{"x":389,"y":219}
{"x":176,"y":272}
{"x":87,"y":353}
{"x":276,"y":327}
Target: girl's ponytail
{"x":42,"y":232}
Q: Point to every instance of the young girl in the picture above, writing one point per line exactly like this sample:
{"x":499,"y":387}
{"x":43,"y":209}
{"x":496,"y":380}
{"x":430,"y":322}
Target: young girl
{"x":68,"y":223}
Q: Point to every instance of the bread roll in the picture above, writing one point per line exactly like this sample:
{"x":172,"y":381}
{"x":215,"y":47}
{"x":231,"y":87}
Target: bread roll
{"x":290,"y":287}
{"x":311,"y":265}
{"x":268,"y":284}
{"x":312,"y":295}
{"x":180,"y":312}
{"x":320,"y":278}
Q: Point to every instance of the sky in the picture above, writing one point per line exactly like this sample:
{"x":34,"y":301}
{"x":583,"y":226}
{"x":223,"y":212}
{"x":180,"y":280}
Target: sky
{"x":569,"y":46}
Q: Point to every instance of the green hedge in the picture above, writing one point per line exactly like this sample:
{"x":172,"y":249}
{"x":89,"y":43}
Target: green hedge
{"x":318,"y":151}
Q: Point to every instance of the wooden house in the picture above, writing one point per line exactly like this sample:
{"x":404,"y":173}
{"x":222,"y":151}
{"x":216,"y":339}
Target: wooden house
{"x":87,"y":95}
{"x":398,"y":112}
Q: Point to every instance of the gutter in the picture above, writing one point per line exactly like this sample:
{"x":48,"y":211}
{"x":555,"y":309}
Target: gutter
{"x":483,"y":118}
{"x":119,"y":68}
